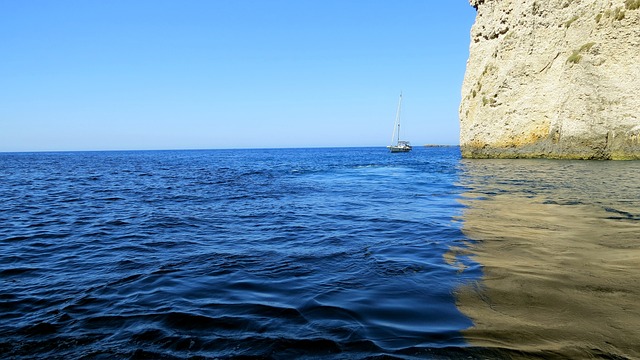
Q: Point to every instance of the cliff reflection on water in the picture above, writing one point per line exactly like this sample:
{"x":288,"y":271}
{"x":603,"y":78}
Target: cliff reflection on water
{"x":559,"y":242}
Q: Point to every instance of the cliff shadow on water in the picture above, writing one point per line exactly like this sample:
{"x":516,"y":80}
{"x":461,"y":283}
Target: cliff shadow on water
{"x":559,"y":247}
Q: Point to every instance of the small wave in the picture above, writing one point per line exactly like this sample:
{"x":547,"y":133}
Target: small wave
{"x":50,"y":235}
{"x":188,"y":321}
{"x":16,"y":238}
{"x":40,"y":329}
{"x":112,"y":199}
{"x":623,"y":215}
{"x":17,"y":271}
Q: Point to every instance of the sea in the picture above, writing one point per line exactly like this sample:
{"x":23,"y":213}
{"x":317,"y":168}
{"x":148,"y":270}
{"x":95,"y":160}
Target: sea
{"x":324,"y":253}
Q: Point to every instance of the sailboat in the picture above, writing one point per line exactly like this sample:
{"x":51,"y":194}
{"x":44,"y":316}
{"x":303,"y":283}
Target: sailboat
{"x":398,"y":145}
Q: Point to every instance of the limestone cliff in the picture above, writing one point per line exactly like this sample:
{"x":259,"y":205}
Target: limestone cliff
{"x":553,"y":78}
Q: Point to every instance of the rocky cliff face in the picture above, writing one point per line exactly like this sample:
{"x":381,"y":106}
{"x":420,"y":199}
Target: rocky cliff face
{"x":553,"y":78}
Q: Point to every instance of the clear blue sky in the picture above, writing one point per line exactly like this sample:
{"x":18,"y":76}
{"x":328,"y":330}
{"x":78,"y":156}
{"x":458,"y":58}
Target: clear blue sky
{"x":158,"y":74}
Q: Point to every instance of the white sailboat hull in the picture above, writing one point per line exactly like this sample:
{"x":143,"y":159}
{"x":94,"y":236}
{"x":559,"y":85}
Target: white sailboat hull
{"x":396,"y":149}
{"x":399,"y":148}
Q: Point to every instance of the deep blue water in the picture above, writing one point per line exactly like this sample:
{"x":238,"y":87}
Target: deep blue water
{"x":279,"y":253}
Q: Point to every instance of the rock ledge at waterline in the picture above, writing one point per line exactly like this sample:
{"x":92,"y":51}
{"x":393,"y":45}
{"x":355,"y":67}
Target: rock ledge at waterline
{"x":553,"y":79}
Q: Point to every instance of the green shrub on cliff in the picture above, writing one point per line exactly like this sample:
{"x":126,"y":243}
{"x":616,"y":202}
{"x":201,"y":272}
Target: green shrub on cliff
{"x":491,"y":101}
{"x":575,"y":57}
{"x":632,"y":4}
{"x":587,"y":46}
{"x":618,"y":13}
{"x":571,"y":21}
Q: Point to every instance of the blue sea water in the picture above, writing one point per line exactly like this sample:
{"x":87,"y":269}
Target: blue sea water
{"x":347,"y":253}
{"x":272,"y":253}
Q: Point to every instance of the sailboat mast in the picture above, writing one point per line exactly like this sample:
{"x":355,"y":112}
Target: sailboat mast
{"x":396,"y":144}
{"x":398,"y":117}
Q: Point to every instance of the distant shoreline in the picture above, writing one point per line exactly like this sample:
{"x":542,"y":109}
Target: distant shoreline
{"x":435,"y":145}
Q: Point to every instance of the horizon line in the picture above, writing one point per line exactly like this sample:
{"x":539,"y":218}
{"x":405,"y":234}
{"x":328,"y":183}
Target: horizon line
{"x":215,"y":149}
